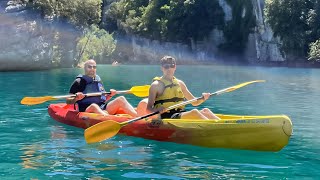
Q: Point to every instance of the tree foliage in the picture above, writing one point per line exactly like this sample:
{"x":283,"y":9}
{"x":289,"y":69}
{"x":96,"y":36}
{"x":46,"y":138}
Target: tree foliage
{"x":97,"y":44}
{"x":239,"y":27}
{"x":79,"y":12}
{"x":296,"y":22}
{"x":193,"y":19}
{"x":167,"y":20}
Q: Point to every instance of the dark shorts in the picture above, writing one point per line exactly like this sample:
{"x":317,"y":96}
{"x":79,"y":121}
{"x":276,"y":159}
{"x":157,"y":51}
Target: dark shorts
{"x":103,"y":106}
{"x":173,"y":114}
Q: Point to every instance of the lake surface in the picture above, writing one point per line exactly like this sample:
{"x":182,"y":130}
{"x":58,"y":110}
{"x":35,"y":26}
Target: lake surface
{"x":34,"y":146}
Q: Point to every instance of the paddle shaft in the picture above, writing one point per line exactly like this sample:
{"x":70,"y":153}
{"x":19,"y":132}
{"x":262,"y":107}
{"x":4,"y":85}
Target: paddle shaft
{"x":196,"y":99}
{"x":87,"y":95}
{"x":131,"y":91}
{"x":92,"y":94}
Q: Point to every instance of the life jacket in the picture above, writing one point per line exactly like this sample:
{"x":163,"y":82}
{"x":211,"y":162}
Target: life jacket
{"x":171,"y":95}
{"x":93,"y":85}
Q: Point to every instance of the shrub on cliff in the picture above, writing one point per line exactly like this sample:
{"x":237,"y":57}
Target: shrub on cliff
{"x":314,"y":53}
{"x":97,"y":44}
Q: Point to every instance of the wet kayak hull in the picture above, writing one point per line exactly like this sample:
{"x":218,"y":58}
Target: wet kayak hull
{"x":260,"y":133}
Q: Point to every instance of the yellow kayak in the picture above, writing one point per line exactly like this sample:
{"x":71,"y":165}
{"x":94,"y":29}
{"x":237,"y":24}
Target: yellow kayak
{"x":260,"y":133}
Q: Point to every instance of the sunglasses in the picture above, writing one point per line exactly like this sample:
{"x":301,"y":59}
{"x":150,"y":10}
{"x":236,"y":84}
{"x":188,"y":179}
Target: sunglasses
{"x":91,"y":67}
{"x":167,"y":66}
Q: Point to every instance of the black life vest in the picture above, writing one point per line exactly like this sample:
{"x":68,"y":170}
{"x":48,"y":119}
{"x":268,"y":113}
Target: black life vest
{"x":93,"y":85}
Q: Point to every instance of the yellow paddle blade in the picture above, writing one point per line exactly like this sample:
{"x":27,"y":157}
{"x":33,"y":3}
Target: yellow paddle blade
{"x":140,"y":91}
{"x":238,"y":86}
{"x":36,"y":100}
{"x":101,"y":131}
{"x":244,"y":84}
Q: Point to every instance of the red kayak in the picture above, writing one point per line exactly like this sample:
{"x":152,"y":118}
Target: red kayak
{"x":262,"y":133}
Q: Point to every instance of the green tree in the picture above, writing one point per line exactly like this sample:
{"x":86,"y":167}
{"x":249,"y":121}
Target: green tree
{"x":313,"y":22}
{"x":124,"y":16}
{"x":192,"y":19}
{"x":314,"y":53}
{"x":289,"y":20}
{"x":167,"y":20}
{"x":79,"y":12}
{"x":237,"y":30}
{"x":97,"y":44}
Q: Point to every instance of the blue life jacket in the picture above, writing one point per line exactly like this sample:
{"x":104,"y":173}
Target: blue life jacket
{"x":92,"y":86}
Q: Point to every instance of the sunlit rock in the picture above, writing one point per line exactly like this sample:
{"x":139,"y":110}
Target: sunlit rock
{"x":29,"y":42}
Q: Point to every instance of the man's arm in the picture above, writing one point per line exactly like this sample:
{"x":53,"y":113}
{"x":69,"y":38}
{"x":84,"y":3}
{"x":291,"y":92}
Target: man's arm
{"x":153,"y":92}
{"x":76,"y":88}
{"x":188,"y":95}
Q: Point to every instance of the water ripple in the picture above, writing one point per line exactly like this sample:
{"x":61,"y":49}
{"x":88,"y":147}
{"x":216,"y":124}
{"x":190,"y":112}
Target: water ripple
{"x":33,"y":146}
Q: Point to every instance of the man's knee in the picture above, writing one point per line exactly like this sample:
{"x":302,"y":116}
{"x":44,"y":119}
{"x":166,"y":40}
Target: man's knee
{"x":143,"y":102}
{"x":92,"y":107}
{"x":195,"y":111}
{"x":205,"y":110}
{"x":122,"y":99}
{"x":142,"y":107}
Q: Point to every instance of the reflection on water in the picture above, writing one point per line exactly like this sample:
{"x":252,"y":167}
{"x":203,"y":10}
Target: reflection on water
{"x":108,"y":155}
{"x":31,"y":159}
{"x":65,"y":153}
{"x":58,"y":133}
{"x":33,"y":153}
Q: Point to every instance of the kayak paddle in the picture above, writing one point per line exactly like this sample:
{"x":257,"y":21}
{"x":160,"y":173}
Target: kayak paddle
{"x":107,"y":129}
{"x":139,"y":91}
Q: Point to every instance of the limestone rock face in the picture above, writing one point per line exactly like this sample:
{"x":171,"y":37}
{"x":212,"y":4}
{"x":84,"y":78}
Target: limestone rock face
{"x":29,"y":42}
{"x":262,"y":45}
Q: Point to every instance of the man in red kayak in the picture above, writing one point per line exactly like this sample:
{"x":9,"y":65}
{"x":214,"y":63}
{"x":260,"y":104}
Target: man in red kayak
{"x":167,"y":90}
{"x":91,"y":83}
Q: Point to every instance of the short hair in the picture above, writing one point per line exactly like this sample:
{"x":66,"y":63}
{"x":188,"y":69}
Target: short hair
{"x":167,"y":60}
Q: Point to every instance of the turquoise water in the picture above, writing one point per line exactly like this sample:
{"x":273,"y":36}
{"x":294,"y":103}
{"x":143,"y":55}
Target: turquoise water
{"x":34,"y":146}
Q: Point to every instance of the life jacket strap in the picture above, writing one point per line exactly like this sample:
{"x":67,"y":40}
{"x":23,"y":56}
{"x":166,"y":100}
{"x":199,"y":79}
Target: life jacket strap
{"x":175,"y":99}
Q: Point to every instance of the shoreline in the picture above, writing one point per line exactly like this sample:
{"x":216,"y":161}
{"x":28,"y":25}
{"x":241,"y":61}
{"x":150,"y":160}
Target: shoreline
{"x":235,"y":63}
{"x":309,"y":65}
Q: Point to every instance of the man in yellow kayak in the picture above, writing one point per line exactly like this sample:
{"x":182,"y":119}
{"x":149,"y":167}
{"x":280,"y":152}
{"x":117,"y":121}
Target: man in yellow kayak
{"x":167,"y":90}
{"x":90,"y":82}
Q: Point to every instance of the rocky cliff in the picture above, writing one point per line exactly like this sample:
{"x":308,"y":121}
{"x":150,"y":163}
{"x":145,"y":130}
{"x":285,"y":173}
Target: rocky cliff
{"x":29,"y":42}
{"x":262,"y":46}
